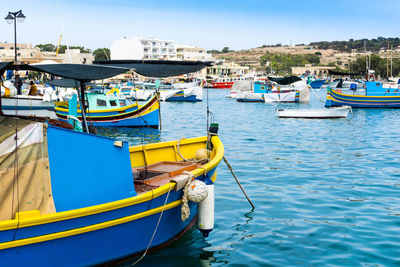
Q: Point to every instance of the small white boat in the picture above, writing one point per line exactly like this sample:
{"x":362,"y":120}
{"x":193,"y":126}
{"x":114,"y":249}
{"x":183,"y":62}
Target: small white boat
{"x":328,"y":113}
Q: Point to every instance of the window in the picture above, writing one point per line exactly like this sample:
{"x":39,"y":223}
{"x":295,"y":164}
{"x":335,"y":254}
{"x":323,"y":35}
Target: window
{"x":113,"y":103}
{"x":101,"y":103}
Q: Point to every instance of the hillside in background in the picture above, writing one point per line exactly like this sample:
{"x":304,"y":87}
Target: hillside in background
{"x":341,"y":54}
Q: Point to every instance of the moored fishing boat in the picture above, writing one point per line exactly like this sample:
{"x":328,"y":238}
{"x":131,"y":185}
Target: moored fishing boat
{"x":73,"y":198}
{"x":27,"y":105}
{"x":316,"y":84}
{"x":93,"y":213}
{"x":377,"y":95}
{"x":222,"y":83}
{"x":110,"y":110}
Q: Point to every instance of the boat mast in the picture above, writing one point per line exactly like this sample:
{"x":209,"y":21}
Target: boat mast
{"x":366,"y":61}
{"x":387,"y":61}
{"x":391,"y":61}
{"x":83,"y":107}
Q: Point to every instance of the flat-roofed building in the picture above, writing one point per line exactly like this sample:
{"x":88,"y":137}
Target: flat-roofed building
{"x":143,"y":48}
{"x":188,"y":52}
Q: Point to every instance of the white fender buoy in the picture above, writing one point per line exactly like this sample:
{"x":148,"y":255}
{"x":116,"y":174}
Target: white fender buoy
{"x":205,"y":211}
{"x":197,"y":191}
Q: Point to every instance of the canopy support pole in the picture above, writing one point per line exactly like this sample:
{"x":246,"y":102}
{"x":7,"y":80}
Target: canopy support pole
{"x":83,"y":107}
{"x":1,"y":83}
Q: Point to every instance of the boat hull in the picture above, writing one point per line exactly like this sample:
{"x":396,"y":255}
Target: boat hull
{"x":104,"y":244}
{"x":357,"y":101}
{"x":282,"y":97}
{"x":28,"y":106}
{"x":314,"y":113}
{"x":222,"y":85}
{"x":317,"y":84}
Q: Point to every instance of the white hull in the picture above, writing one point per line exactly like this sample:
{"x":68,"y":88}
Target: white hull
{"x":28,"y":106}
{"x":340,"y":112}
{"x":249,"y":96}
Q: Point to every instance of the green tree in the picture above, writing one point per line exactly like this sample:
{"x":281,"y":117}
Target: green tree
{"x":282,"y":63}
{"x":213,"y":51}
{"x":101,"y":54}
{"x":225,"y":49}
{"x":46,"y":47}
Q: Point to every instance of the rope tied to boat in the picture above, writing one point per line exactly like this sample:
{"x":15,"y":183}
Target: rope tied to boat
{"x":156,"y":228}
{"x":185,"y":210}
{"x":200,"y":158}
{"x":194,"y":190}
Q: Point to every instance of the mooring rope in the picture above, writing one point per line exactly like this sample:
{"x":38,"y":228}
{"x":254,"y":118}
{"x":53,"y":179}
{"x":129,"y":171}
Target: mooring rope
{"x":155,"y":230}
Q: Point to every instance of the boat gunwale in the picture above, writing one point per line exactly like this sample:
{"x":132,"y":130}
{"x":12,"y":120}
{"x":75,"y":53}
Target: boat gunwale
{"x":96,"y":209}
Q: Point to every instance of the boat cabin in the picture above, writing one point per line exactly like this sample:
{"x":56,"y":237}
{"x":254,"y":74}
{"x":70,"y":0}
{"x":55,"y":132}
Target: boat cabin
{"x":382,"y":89}
{"x":107,"y":101}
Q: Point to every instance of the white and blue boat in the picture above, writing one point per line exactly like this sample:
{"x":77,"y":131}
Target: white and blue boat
{"x":377,"y":95}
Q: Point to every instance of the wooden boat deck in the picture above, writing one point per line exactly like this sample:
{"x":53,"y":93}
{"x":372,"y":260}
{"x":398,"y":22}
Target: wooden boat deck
{"x":155,"y":175}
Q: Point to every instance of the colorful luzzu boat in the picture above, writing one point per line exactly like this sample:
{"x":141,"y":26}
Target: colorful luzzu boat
{"x":111,"y":110}
{"x":80,"y":212}
{"x":76,"y":199}
{"x":376,"y":96}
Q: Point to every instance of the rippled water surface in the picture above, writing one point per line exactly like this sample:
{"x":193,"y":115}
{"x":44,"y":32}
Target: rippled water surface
{"x":327,"y":192}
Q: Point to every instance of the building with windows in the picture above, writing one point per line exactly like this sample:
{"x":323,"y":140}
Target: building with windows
{"x":187,"y":52}
{"x":143,"y":48}
{"x":28,"y":54}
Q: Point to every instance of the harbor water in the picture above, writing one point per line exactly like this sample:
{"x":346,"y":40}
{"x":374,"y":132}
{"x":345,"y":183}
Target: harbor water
{"x":326,"y":192}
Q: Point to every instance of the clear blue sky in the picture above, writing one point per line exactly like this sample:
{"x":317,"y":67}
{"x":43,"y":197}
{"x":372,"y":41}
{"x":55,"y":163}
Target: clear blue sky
{"x":238,"y":24}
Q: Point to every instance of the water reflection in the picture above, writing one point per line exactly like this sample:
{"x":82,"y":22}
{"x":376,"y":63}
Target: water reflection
{"x":135,"y":136}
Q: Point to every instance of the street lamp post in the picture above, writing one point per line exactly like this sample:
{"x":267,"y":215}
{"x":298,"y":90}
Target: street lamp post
{"x":13,"y":17}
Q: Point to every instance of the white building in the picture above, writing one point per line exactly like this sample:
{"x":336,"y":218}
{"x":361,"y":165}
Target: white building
{"x":76,"y":57}
{"x":143,"y":48}
{"x":187,"y":52}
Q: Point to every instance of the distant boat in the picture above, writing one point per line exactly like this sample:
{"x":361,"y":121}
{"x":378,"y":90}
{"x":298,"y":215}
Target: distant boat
{"x":286,"y":89}
{"x":27,"y":105}
{"x":377,"y":95}
{"x":316,"y":84}
{"x":222,"y":83}
{"x":338,"y":112}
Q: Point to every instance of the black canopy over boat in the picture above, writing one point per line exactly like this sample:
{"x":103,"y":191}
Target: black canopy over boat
{"x":285,"y":80}
{"x":158,"y":68}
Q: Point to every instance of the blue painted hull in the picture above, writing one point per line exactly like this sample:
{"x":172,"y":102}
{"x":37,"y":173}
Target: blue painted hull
{"x":148,"y":120}
{"x":191,"y":98}
{"x":357,"y":101}
{"x":250,"y":100}
{"x":128,"y":236}
{"x":100,"y":246}
{"x":317,"y":84}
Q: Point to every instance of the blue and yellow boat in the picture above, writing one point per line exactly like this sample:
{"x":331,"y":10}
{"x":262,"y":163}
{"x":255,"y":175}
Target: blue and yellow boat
{"x":74,"y":211}
{"x":111,"y":110}
{"x":376,"y":96}
{"x":72,"y":198}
